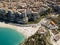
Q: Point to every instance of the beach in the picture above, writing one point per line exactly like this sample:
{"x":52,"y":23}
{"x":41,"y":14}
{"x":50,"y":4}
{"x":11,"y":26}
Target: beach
{"x":26,"y":31}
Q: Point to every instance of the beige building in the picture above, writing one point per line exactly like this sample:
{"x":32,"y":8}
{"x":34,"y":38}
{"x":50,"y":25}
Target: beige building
{"x":58,"y":2}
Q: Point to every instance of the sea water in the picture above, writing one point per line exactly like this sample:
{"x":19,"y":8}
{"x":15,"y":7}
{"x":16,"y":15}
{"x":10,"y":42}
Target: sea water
{"x":10,"y":37}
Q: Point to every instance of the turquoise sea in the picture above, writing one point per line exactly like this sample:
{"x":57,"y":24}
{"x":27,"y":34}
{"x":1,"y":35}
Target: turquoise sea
{"x":10,"y":37}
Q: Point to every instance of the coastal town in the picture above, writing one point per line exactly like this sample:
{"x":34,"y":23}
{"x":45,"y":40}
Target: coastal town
{"x":37,"y":20}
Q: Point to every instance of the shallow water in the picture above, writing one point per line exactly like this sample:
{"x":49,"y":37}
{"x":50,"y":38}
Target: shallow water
{"x":10,"y":37}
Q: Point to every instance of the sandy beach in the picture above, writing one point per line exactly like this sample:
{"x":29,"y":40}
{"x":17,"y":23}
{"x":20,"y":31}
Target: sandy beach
{"x":26,"y":31}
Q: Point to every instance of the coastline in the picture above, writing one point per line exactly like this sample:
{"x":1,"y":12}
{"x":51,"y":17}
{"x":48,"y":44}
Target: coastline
{"x":26,"y":31}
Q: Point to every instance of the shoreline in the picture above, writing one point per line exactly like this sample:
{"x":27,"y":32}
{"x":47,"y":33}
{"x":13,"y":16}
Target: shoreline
{"x":26,"y":31}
